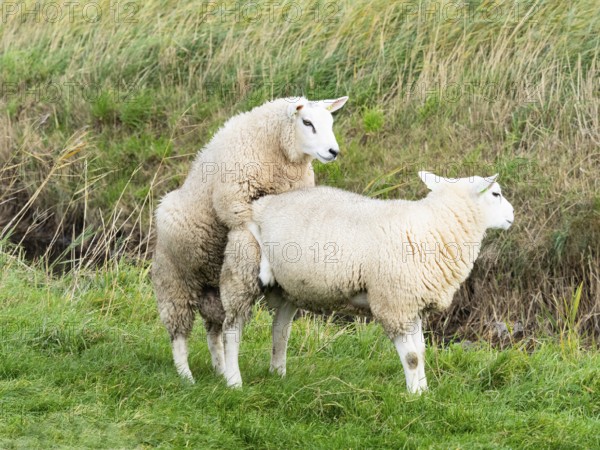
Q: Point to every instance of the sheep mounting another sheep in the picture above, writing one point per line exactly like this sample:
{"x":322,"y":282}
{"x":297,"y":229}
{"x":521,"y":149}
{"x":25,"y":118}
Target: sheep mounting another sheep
{"x":332,"y":250}
{"x":267,"y":150}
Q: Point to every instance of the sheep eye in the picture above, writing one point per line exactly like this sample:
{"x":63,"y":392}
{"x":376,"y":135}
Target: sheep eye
{"x":308,"y":123}
{"x":496,"y":194}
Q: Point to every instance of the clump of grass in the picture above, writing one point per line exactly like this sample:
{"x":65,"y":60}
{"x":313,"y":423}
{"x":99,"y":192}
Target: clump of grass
{"x":373,"y":120}
{"x":103,"y":108}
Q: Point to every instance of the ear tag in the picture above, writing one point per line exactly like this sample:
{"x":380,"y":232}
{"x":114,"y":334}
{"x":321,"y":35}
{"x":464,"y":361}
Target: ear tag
{"x":486,"y":189}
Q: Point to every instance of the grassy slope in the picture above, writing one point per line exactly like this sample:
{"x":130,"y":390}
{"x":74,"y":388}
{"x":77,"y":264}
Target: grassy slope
{"x":132,"y":101}
{"x":85,"y":362}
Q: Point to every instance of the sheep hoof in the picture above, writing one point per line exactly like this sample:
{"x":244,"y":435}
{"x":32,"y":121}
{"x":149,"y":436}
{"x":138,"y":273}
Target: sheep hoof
{"x":186,"y":375}
{"x":418,"y":390}
{"x":278,"y":370}
{"x":234,"y":381}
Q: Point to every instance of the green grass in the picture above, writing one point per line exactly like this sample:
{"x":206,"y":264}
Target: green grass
{"x":84,"y":359}
{"x":86,"y":363}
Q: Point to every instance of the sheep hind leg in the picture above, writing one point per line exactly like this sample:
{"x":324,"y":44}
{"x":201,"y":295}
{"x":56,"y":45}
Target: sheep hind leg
{"x":177,"y":314}
{"x":232,"y":335}
{"x":180,"y":357}
{"x":407,"y":351}
{"x":282,"y":326}
{"x":179,"y":320}
{"x":214,"y":336}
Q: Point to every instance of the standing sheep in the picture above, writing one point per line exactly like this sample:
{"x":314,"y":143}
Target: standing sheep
{"x":267,"y":150}
{"x":331,"y":250}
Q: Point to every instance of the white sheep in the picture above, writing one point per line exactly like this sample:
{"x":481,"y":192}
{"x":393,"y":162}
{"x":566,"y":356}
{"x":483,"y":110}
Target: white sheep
{"x":332,"y":250}
{"x":267,"y":150}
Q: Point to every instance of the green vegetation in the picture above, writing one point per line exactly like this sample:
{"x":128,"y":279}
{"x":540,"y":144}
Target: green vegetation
{"x":100,"y":118}
{"x":104,"y":116}
{"x":87,"y":363}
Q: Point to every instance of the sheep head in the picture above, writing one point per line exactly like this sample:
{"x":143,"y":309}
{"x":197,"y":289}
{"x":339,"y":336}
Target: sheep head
{"x":313,"y":127}
{"x":486,"y":193}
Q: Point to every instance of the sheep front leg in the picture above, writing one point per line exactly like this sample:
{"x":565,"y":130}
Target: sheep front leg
{"x":409,"y":357}
{"x":265,"y":274}
{"x":419,"y":341}
{"x":282,"y":326}
{"x":239,"y":290}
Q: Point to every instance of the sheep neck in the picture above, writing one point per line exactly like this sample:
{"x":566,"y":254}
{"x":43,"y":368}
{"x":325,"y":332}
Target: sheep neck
{"x":457,"y":232}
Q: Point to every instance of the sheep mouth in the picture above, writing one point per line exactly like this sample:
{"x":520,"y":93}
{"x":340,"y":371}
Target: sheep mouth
{"x":326,"y":158}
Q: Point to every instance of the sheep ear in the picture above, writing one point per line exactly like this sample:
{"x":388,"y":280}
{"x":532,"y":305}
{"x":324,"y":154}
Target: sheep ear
{"x":334,"y":105}
{"x":485,"y":183}
{"x":331,"y":105}
{"x":295,"y":107}
{"x":430,"y":179}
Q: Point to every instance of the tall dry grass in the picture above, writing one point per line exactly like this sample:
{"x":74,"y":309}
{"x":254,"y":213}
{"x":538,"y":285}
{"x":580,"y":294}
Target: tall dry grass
{"x":101,"y":118}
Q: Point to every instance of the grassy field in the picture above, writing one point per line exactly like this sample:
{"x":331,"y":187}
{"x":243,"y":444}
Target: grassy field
{"x":86,"y":363}
{"x":104,"y":105}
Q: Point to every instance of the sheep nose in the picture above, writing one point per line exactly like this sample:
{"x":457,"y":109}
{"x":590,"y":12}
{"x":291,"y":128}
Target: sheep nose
{"x":334,"y":152}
